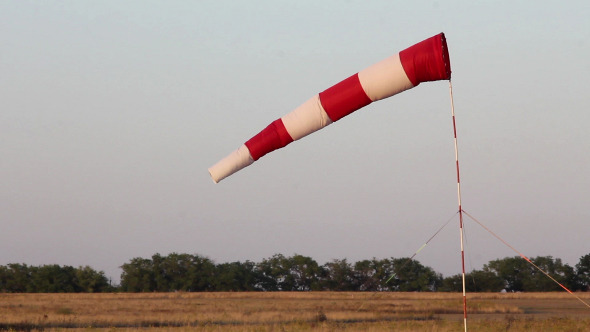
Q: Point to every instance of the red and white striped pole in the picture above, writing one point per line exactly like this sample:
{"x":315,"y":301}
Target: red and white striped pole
{"x":460,"y":209}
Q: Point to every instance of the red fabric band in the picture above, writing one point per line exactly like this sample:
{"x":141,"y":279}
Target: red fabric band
{"x":427,"y":61}
{"x":344,"y":98}
{"x":273,"y":137}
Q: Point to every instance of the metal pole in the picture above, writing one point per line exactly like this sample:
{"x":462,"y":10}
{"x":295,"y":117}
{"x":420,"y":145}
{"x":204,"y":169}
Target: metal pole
{"x":460,"y":209}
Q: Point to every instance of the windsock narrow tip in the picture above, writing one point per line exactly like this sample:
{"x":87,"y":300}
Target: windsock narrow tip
{"x":213,"y":177}
{"x":234,"y":162}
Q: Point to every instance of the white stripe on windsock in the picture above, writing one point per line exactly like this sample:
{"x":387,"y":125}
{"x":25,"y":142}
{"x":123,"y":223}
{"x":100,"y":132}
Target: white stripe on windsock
{"x":306,"y":119}
{"x":385,"y":79}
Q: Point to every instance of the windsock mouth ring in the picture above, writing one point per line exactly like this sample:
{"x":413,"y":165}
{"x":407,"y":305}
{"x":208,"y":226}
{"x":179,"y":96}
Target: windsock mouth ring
{"x":427,"y":61}
{"x":445,"y":54}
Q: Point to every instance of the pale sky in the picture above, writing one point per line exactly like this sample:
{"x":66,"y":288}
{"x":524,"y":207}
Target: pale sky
{"x":112,"y":111}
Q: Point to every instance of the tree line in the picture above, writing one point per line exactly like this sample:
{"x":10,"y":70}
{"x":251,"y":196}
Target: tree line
{"x":21,"y":278}
{"x":196,"y":273}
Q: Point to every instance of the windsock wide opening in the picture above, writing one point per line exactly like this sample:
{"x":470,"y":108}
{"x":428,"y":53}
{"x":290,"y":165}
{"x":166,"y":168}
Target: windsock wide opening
{"x":445,"y":54}
{"x":427,"y":61}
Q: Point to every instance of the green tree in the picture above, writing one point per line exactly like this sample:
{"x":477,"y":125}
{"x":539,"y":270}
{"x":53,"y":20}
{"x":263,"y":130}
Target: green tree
{"x":275,"y":274}
{"x":200,"y":275}
{"x":236,"y":277}
{"x":158,"y":270}
{"x":15,"y":278}
{"x":453,"y":283}
{"x":4,"y":277}
{"x":483,"y":281}
{"x":54,"y":279}
{"x":175,"y":272}
{"x":138,"y":276}
{"x":296,"y":273}
{"x":562,"y":273}
{"x":269,"y":271}
{"x":411,"y":276}
{"x":305,"y":273}
{"x":91,"y":281}
{"x":182,"y":272}
{"x":519,"y":275}
{"x":338,"y":275}
{"x":51,"y":278}
{"x":368,"y":275}
{"x":475,"y":281}
{"x":583,"y":273}
{"x":514,"y":271}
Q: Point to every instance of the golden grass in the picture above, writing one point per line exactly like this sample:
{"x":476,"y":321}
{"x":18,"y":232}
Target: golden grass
{"x":290,"y":311}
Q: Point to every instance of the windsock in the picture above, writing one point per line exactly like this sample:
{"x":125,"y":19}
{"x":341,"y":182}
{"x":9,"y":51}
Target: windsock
{"x":422,"y":62}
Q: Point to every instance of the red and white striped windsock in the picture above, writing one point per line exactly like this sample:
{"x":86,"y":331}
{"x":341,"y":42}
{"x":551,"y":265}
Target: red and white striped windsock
{"x":423,"y":62}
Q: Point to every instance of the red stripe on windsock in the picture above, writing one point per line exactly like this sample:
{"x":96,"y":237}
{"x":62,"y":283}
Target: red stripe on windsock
{"x":344,"y":98}
{"x":427,"y":61}
{"x":273,"y":137}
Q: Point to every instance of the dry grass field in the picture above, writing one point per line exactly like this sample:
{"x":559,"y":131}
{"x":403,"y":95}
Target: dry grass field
{"x":304,"y":311}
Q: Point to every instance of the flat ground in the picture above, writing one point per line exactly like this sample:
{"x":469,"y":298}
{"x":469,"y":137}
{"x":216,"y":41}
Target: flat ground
{"x":294,"y":311}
